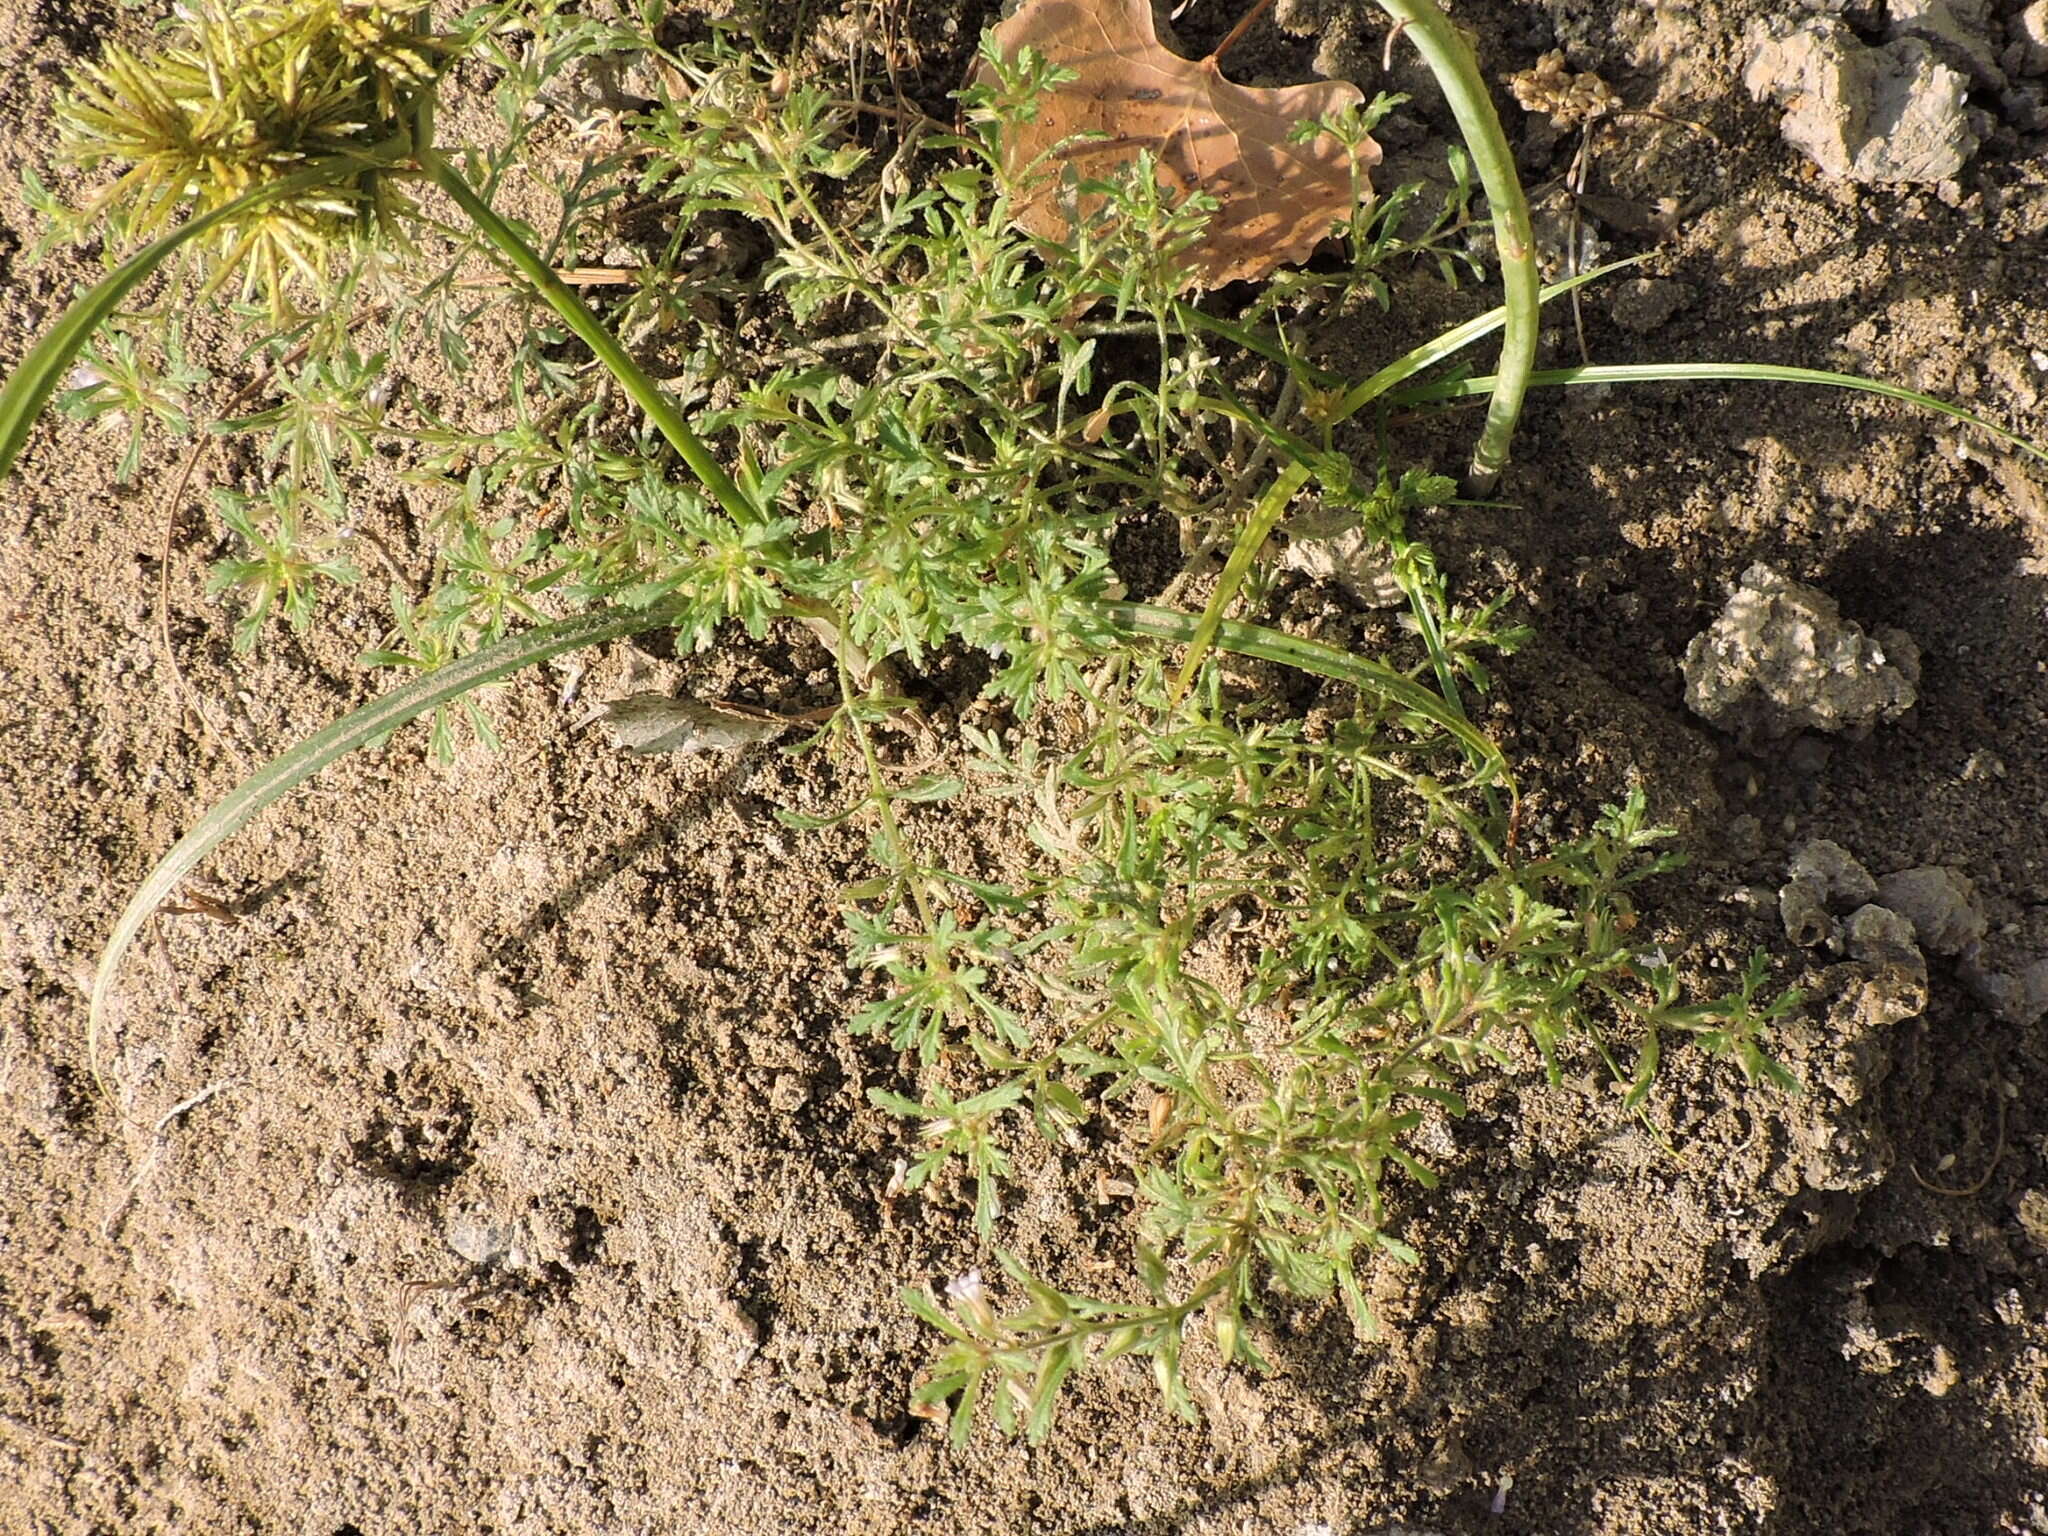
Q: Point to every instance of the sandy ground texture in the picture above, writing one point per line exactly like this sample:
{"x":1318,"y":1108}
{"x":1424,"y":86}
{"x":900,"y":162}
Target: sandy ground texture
{"x":492,"y":1156}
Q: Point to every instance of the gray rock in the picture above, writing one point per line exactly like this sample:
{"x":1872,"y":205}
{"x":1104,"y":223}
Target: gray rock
{"x":1889,"y":114}
{"x":2027,"y":54}
{"x":1781,"y":658}
{"x":1844,"y":883}
{"x":1338,"y":549}
{"x":2032,"y":1002}
{"x":2021,"y":1001}
{"x":2025,"y":107}
{"x":1879,"y":936}
{"x":1805,"y":915}
{"x":1940,"y":903}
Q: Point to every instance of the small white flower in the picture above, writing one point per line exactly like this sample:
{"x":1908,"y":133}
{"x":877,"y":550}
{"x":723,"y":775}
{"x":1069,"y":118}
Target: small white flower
{"x":1499,"y":1506}
{"x":965,"y":1289}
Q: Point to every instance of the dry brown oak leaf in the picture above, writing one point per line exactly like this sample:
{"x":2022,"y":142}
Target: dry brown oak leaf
{"x":1275,"y":199}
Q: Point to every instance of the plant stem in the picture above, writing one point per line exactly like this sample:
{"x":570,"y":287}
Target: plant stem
{"x":1457,"y":72}
{"x":565,"y":301}
{"x":1150,"y":622}
{"x":1768,"y":373}
{"x":1244,"y":25}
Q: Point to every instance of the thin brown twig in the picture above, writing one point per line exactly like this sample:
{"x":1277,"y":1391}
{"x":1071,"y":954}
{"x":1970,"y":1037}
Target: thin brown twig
{"x":907,"y":112}
{"x":1575,"y":189}
{"x":891,"y":17}
{"x":1387,"y":53}
{"x":1997,"y":1156}
{"x":1244,"y":25}
{"x":1614,"y":113}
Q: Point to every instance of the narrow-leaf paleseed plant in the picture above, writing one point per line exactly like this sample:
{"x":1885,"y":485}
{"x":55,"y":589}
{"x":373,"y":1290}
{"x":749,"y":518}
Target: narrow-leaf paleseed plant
{"x":1255,"y":946}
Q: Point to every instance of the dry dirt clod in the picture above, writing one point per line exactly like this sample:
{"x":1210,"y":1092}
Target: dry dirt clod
{"x":1570,"y":99}
{"x":483,"y":1240}
{"x":1879,"y":936}
{"x":2028,"y":52}
{"x":1339,"y":549}
{"x":1839,"y":1139}
{"x":1889,"y":114}
{"x":1277,"y":199}
{"x":1843,"y":881}
{"x":1644,"y":304}
{"x":2020,"y":1000}
{"x":1823,"y":881}
{"x":1782,"y":659}
{"x":1940,"y":903}
{"x":624,"y":80}
{"x":1958,"y":30}
{"x":2032,"y":1208}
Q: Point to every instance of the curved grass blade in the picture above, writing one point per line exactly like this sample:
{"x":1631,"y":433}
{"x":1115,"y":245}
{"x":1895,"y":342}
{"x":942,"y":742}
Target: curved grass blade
{"x":30,"y":386}
{"x":285,"y":773}
{"x":1266,"y":344}
{"x":1251,"y":538}
{"x":1459,"y":337}
{"x":646,"y":393}
{"x":1255,"y":640}
{"x":1272,"y":506}
{"x":1665,"y":373}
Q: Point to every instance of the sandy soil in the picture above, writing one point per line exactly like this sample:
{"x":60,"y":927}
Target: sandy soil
{"x":502,"y":1163}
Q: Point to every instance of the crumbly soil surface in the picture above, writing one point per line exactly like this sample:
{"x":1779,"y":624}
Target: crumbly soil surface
{"x":482,"y":1147}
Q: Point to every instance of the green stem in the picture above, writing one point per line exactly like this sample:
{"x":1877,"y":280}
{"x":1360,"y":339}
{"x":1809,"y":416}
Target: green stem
{"x":1259,"y":526}
{"x":1149,"y":622}
{"x":592,"y":332}
{"x":646,"y":393}
{"x":1457,"y":72}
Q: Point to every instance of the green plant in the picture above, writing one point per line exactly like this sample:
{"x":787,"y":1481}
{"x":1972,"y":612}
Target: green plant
{"x":279,"y":570}
{"x":126,"y":389}
{"x":1256,"y":947}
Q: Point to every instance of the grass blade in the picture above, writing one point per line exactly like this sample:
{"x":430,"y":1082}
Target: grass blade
{"x":1272,"y":506}
{"x":1255,"y":640}
{"x":1251,"y":538}
{"x":287,"y":772}
{"x":592,"y":332}
{"x":30,"y":386}
{"x":1769,"y":373}
{"x":1459,"y":337}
